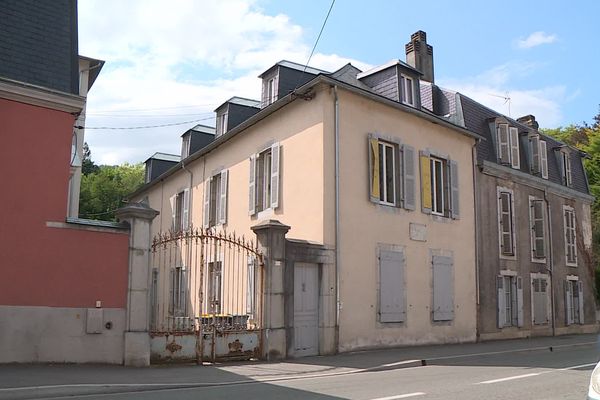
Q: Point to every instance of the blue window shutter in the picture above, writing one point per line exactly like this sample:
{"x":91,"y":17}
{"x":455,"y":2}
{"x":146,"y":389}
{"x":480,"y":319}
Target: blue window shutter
{"x":392,"y":306}
{"x":409,"y":177}
{"x":443,"y":289}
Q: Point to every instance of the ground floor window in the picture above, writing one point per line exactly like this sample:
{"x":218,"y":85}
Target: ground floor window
{"x":510,"y":300}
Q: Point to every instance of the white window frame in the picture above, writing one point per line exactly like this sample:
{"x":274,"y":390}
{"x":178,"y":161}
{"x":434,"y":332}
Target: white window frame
{"x":382,"y":146}
{"x":222,"y":124}
{"x":512,"y":299}
{"x":180,"y":207}
{"x":534,"y":259}
{"x":407,"y":91}
{"x":570,"y":235}
{"x":215,"y":199}
{"x":271,"y":91}
{"x":546,"y":279}
{"x":565,"y":159}
{"x":185,"y":146}
{"x":264,"y":173}
{"x":574,"y":285}
{"x":512,"y":254}
{"x":515,"y":156}
{"x":441,"y":181}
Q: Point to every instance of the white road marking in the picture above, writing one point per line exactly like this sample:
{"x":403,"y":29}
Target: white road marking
{"x":576,"y":367}
{"x":399,"y":363}
{"x":510,"y":378}
{"x":401,"y":396}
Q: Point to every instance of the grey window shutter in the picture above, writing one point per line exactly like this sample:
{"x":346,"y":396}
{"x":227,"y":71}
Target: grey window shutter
{"x":183,"y":291}
{"x":519,"y":301}
{"x":538,"y":229}
{"x":454,"y":190}
{"x":581,"y":310}
{"x":543,"y":159}
{"x":409,"y":177}
{"x":275,"y":169}
{"x":186,"y":209}
{"x":514,"y":148}
{"x":426,"y":189}
{"x":172,"y":291}
{"x":568,"y":303}
{"x":252,"y":186}
{"x":503,"y":144}
{"x":443,"y":289}
{"x":392,"y":307}
{"x":505,"y":221}
{"x":535,"y":154}
{"x":173,"y":202}
{"x":561,"y":166}
{"x":223,"y":197}
{"x":206,"y":208}
{"x":501,"y":301}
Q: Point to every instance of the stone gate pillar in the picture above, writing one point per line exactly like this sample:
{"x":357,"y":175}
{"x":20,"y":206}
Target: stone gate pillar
{"x":270,"y":236}
{"x":137,"y":324}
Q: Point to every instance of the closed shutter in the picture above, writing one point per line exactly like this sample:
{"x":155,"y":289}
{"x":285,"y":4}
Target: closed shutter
{"x":568,"y":303}
{"x":519,"y":301}
{"x":275,"y":169}
{"x":501,"y":301}
{"x":514,"y":148}
{"x":185,"y":215}
{"x":573,"y":236}
{"x":581,"y":310}
{"x":539,"y":248}
{"x":409,"y":177}
{"x":426,"y":201}
{"x":252,"y":186}
{"x":173,"y":201}
{"x":535,"y":154}
{"x":454,"y":191}
{"x":503,"y":144}
{"x":223,"y":197}
{"x":172,"y":291}
{"x":544,"y":159}
{"x":391,"y":286}
{"x":374,"y":189}
{"x":568,"y":178}
{"x":183,"y":291}
{"x":443,"y":289}
{"x":206,"y":208}
{"x":505,"y":221}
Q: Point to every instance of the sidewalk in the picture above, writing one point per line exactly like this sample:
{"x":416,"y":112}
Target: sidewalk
{"x":22,"y":381}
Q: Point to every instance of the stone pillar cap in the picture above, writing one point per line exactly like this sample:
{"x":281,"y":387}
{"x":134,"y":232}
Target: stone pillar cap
{"x":270,"y":224}
{"x":136,"y":210}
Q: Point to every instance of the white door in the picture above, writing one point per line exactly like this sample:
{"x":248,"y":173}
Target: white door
{"x":306,"y":309}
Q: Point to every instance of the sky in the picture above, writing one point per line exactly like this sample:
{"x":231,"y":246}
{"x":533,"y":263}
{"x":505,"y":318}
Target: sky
{"x":174,"y":62}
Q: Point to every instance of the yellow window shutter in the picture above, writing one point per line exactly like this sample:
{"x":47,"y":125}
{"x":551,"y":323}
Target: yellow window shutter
{"x":374,"y":168}
{"x":425,"y":182}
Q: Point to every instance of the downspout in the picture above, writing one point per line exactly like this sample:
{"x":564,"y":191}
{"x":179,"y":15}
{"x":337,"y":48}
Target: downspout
{"x":550,"y":268}
{"x":476,"y":234}
{"x":336,"y":112}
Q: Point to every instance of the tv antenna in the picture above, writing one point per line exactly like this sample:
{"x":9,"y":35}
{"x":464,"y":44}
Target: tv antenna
{"x":506,"y":98}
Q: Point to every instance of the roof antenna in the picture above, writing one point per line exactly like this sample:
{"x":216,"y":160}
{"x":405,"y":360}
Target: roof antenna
{"x":506,"y":98}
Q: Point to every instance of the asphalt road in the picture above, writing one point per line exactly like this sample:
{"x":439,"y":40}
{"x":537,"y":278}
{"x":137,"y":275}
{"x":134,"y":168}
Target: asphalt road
{"x":549,"y":368}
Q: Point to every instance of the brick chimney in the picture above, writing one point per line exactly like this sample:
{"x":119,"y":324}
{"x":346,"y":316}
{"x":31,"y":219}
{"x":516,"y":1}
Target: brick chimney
{"x":419,"y":55}
{"x":529,"y":120}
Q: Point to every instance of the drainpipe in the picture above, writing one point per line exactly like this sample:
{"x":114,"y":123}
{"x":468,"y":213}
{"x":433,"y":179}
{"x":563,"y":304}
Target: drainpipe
{"x":476,"y":235}
{"x":550,"y":268}
{"x":336,"y":111}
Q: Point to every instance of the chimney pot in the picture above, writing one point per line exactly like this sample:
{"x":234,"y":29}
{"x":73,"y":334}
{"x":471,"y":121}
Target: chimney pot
{"x":419,"y":55}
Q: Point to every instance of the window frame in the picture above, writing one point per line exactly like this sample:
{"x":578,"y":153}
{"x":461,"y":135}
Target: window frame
{"x":566,"y":168}
{"x":407,"y":92}
{"x":216,"y":194}
{"x":511,"y":146}
{"x":512,"y":254}
{"x":570,"y":235}
{"x":263,"y":196}
{"x":533,"y":237}
{"x":441,"y":181}
{"x":544,"y":280}
{"x":180,"y":203}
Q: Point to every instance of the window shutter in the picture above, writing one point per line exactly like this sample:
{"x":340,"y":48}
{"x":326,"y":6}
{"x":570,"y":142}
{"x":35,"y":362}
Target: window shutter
{"x":183,"y":291}
{"x":505,"y":222}
{"x":514,"y":148}
{"x":172,"y":291}
{"x":409,"y":177}
{"x":568,"y":177}
{"x":519,"y":301}
{"x":185,"y":215}
{"x":568,"y":303}
{"x":574,"y":236}
{"x":223,"y":197}
{"x":443,"y":289}
{"x":535,"y":154}
{"x":454,"y":190}
{"x":425,"y":181}
{"x":275,"y":168}
{"x":501,"y":301}
{"x":173,"y":202}
{"x":581,"y":310}
{"x":567,"y":234}
{"x":539,"y":250}
{"x":206,"y":215}
{"x":392,"y":307}
{"x":503,"y":144}
{"x":543,"y":159}
{"x":252,"y":186}
{"x":374,"y":189}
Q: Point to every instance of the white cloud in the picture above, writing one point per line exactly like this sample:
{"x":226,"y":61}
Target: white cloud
{"x":186,"y":52}
{"x":536,"y":39}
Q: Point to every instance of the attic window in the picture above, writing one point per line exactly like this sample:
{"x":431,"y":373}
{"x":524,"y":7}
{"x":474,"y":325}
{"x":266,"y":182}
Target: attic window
{"x":564,"y":158}
{"x":508,"y":145}
{"x":221,"y":124}
{"x":407,"y":90}
{"x":185,"y":146}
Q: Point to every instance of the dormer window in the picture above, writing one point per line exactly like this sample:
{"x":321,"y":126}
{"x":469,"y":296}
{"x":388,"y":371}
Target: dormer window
{"x":271,"y":91}
{"x":185,"y":146}
{"x":564,"y":159}
{"x":407,"y":90}
{"x":539,"y":156}
{"x":221,"y":124}
{"x":508,"y":145}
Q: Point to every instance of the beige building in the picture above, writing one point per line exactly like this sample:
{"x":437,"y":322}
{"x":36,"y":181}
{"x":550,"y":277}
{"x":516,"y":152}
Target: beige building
{"x":349,"y":160}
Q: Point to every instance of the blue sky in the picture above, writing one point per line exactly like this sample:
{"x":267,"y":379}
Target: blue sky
{"x":176,"y":61}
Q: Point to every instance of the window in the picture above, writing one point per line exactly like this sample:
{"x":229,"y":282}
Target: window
{"x":537,"y":224}
{"x":185,"y":146}
{"x":574,"y":301}
{"x":215,"y":289}
{"x":506,"y":222}
{"x":510,"y":300}
{"x":178,"y":298}
{"x":271,"y":91}
{"x":154,"y":298}
{"x":391,"y":169}
{"x":392,"y":304}
{"x":565,"y":167}
{"x":539,"y":156}
{"x":264,"y":180}
{"x":443,"y":288}
{"x":251,"y":287}
{"x":215,"y":200}
{"x":180,"y":204}
{"x":539,"y":299}
{"x":407,"y":90}
{"x":508,"y":145}
{"x":221,"y":124}
{"x":439,"y":185}
{"x":570,"y":236}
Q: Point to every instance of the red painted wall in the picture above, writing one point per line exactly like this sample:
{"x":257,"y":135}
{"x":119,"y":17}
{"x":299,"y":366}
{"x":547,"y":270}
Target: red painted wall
{"x":42,"y":266}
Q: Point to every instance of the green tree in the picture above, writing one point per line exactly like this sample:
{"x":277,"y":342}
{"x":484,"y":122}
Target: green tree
{"x":103,"y":191}
{"x":88,"y":166}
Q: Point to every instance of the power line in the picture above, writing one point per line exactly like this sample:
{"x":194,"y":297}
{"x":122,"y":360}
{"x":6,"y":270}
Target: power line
{"x":319,"y":37}
{"x":158,"y":108}
{"x":142,"y":127}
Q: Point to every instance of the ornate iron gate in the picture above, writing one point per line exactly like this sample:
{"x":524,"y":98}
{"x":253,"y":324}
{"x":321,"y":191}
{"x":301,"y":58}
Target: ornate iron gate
{"x":205,"y":296}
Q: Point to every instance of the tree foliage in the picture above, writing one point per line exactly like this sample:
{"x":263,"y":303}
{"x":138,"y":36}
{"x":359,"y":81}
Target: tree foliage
{"x":104,"y":187}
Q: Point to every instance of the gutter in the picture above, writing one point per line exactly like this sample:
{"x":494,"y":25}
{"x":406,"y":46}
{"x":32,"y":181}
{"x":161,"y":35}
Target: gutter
{"x":336,"y":111}
{"x":550,"y":268}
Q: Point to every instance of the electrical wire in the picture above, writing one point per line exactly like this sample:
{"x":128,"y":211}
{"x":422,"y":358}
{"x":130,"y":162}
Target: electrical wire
{"x":142,"y":127}
{"x":319,"y":37}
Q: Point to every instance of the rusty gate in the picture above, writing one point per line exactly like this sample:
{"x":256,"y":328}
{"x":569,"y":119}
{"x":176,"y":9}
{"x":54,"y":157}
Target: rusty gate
{"x":205,"y":296}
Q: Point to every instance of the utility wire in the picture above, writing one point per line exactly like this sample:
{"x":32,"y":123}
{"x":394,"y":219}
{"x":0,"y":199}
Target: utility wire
{"x":319,"y":37}
{"x":143,"y":127}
